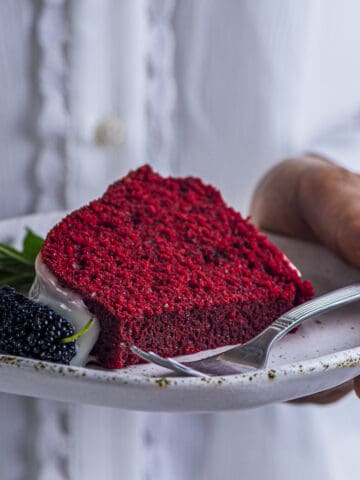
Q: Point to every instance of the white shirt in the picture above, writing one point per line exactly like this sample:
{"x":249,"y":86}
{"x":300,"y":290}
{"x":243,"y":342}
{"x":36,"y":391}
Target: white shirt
{"x":219,"y":89}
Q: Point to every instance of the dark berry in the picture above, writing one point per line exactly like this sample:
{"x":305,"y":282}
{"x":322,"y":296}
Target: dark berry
{"x":29,"y":329}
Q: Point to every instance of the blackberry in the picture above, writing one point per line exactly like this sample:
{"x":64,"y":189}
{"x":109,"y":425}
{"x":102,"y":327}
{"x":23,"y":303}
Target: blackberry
{"x":29,"y":329}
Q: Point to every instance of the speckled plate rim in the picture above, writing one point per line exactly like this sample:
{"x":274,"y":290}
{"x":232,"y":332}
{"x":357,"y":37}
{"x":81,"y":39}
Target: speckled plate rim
{"x":346,"y":359}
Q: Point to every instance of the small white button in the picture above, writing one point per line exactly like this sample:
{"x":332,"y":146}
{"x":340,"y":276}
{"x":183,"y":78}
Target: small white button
{"x":110,"y":132}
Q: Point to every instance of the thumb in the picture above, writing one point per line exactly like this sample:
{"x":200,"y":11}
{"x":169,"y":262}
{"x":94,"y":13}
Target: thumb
{"x":330,"y":202}
{"x":357,"y":386}
{"x":313,"y":199}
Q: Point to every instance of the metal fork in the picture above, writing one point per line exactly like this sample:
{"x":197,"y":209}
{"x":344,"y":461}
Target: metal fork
{"x":254,"y":354}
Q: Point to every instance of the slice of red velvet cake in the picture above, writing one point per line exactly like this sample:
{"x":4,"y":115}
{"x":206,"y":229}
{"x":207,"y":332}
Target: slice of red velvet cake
{"x":164,"y":264}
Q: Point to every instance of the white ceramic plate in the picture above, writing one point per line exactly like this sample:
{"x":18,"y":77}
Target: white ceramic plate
{"x":323,"y":353}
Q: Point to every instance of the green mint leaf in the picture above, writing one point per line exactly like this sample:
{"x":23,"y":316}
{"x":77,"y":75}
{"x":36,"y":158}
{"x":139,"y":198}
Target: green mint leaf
{"x":80,"y":333}
{"x":17,"y":267}
{"x":13,"y":254}
{"x":32,"y":245}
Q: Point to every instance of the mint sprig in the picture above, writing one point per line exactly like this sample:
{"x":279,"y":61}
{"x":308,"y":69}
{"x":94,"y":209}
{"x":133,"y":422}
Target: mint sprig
{"x":80,"y":333}
{"x":17,"y":267}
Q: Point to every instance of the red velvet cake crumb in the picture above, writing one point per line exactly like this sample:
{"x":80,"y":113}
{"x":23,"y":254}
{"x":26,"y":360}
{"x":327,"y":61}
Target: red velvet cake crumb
{"x":164,"y":264}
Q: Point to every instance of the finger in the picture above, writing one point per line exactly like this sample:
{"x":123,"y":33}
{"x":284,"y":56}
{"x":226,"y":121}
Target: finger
{"x":275,"y":203}
{"x":357,"y":386}
{"x":328,"y":396}
{"x":330,"y":201}
{"x":312,"y":198}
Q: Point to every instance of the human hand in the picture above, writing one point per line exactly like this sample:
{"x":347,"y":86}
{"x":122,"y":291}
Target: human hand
{"x":313,"y":199}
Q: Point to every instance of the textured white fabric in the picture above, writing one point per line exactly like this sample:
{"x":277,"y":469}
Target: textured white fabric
{"x":161,"y":88}
{"x":260,"y":81}
{"x":107,"y":52}
{"x":18,"y":103}
{"x":52,"y":31}
{"x":218,"y":89}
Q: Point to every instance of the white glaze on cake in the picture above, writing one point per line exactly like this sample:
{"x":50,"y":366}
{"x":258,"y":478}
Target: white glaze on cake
{"x":47,"y":290}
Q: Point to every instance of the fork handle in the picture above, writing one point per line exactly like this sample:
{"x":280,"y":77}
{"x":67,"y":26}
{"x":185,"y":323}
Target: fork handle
{"x":324,"y":303}
{"x":256,"y":351}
